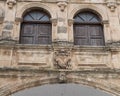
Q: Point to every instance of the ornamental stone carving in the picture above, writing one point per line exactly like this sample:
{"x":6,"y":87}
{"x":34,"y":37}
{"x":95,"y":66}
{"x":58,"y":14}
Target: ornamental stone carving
{"x":11,"y":3}
{"x":62,"y":5}
{"x":111,"y":4}
{"x":62,"y":59}
{"x":54,"y":22}
{"x":62,"y":77}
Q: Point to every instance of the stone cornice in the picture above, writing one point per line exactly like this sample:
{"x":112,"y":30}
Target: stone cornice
{"x":69,"y":1}
{"x":51,"y":47}
{"x":21,"y":72}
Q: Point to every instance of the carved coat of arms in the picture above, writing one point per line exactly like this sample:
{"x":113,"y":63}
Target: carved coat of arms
{"x":62,"y":59}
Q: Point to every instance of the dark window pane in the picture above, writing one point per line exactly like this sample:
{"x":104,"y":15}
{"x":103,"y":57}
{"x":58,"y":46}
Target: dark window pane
{"x":44,"y":29}
{"x":28,"y":28}
{"x":27,"y":40}
{"x":44,"y":40}
{"x":86,"y":17}
{"x":37,"y":16}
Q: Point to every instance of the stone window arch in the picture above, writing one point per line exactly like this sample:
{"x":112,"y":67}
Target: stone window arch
{"x":36,"y":27}
{"x":88,"y":29}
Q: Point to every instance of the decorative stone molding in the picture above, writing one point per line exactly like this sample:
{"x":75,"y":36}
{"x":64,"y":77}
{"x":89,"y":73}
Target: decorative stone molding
{"x":62,"y":5}
{"x":70,"y":22}
{"x":62,"y":59}
{"x":112,"y":4}
{"x":18,"y":20}
{"x":106,"y":23}
{"x":54,"y":22}
{"x":62,"y":77}
{"x":20,"y":11}
{"x":96,"y":9}
{"x":62,"y":29}
{"x":11,"y":3}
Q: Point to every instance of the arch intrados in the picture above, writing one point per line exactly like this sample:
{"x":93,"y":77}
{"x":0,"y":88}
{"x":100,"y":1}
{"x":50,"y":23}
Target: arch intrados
{"x":77,"y":85}
{"x":29,"y":6}
{"x":37,"y":83}
{"x":88,"y":10}
{"x":92,"y":8}
{"x":36,"y":9}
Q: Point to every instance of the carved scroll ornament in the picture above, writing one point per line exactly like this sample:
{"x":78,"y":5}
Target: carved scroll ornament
{"x":62,"y":59}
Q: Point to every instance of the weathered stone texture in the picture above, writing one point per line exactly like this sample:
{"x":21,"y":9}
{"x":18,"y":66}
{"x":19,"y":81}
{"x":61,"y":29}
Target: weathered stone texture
{"x":26,"y":65}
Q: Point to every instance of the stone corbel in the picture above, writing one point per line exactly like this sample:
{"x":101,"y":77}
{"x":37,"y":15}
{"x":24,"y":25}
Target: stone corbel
{"x":11,"y":3}
{"x":62,"y":5}
{"x":112,"y":4}
{"x":18,"y":20}
{"x":70,"y":22}
{"x":54,"y":22}
{"x":1,"y":20}
{"x":106,"y":23}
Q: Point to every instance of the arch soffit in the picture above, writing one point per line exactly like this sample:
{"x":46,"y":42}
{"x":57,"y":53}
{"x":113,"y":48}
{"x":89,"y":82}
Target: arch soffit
{"x":89,"y":7}
{"x":21,"y":11}
{"x":53,"y":80}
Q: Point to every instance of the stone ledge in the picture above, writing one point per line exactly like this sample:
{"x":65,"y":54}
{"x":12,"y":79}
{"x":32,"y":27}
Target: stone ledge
{"x":95,"y":70}
{"x":14,"y":45}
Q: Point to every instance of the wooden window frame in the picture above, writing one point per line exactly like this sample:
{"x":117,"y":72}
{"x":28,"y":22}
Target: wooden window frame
{"x":99,"y":23}
{"x":37,"y":22}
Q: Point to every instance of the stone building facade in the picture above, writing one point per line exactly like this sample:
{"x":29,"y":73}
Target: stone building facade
{"x":64,"y":55}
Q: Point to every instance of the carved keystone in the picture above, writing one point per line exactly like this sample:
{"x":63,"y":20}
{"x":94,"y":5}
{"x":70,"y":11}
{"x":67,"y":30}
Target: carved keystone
{"x":62,"y":77}
{"x":54,"y":22}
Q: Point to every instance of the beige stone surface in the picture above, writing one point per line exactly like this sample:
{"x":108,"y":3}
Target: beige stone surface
{"x":25,"y":65}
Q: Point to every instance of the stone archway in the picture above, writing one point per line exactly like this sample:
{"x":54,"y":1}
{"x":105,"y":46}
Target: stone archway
{"x":88,"y":7}
{"x":62,"y":90}
{"x":23,"y":79}
{"x":35,"y":5}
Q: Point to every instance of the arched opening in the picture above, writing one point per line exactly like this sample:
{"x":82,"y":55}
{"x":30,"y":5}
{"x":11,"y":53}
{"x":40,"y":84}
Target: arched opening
{"x":88,"y":29}
{"x":62,"y":90}
{"x":36,"y":27}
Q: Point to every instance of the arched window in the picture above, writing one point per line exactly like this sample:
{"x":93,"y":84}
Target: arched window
{"x":36,"y":28}
{"x":88,"y":29}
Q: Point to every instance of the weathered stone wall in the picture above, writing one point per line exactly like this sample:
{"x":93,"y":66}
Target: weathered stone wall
{"x":77,"y":59}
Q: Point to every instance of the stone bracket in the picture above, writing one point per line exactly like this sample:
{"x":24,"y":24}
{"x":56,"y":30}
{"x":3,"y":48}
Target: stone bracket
{"x":111,"y":4}
{"x":11,"y":3}
{"x":70,"y":22}
{"x":54,"y":21}
{"x":62,"y":4}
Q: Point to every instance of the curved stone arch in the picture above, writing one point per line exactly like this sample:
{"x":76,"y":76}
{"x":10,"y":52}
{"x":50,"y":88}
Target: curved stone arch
{"x":26,"y":7}
{"x":93,"y":8}
{"x":15,"y":87}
